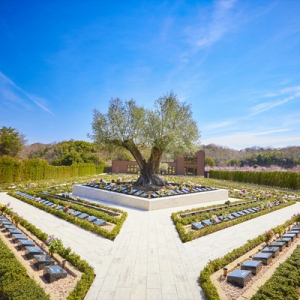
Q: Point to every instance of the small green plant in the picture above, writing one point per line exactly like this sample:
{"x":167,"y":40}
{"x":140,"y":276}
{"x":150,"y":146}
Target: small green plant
{"x":54,"y":244}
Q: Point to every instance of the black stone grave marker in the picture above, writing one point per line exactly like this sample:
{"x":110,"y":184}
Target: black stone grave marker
{"x":252,"y":265}
{"x":18,"y":236}
{"x":70,"y":211}
{"x":5,"y":223}
{"x":30,"y":251}
{"x":24,"y":243}
{"x":9,"y":227}
{"x":76,"y":213}
{"x":133,"y":191}
{"x":291,"y":236}
{"x":207,"y":222}
{"x":83,"y":216}
{"x":280,"y":245}
{"x":241,"y":213}
{"x":52,"y":273}
{"x":91,"y":219}
{"x":287,"y":241}
{"x":236,"y":215}
{"x":197,"y":226}
{"x":231,"y":217}
{"x":42,"y":260}
{"x":294,"y":232}
{"x":273,"y":250}
{"x":265,"y":258}
{"x":239,"y":277}
{"x":153,"y":195}
{"x":15,"y":230}
{"x":100,"y":222}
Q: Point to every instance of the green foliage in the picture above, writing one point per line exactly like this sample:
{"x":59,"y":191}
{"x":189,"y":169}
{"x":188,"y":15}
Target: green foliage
{"x":191,"y":235}
{"x":208,"y":287}
{"x":209,"y":162}
{"x":284,"y":157}
{"x":81,"y":223}
{"x":15,"y":283}
{"x":79,"y":291}
{"x":285,"y":282}
{"x":67,"y":153}
{"x":11,"y":170}
{"x":11,"y":141}
{"x":288,"y":180}
{"x":169,"y":127}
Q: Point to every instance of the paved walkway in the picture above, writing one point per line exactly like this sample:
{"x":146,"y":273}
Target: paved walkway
{"x":147,"y":259}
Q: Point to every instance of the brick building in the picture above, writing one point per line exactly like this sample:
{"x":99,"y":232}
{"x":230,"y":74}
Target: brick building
{"x":189,"y":164}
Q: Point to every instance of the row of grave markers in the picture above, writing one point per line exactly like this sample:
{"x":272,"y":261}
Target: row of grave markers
{"x":41,"y":260}
{"x":240,"y":277}
{"x":142,"y":194}
{"x":78,"y":214}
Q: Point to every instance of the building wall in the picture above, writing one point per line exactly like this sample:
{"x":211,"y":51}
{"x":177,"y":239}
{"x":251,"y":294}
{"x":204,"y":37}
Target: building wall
{"x":181,"y":165}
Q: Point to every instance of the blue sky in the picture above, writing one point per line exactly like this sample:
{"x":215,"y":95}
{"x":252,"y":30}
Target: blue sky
{"x":236,"y":62}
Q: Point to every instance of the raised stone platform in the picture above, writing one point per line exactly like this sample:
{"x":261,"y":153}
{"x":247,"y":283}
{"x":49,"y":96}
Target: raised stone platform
{"x":149,"y":204}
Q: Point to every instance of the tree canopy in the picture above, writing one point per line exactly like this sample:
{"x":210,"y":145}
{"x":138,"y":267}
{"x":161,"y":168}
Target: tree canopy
{"x":169,"y":127}
{"x":11,"y":141}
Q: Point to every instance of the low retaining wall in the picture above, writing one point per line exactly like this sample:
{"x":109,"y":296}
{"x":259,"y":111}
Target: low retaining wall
{"x":149,"y":204}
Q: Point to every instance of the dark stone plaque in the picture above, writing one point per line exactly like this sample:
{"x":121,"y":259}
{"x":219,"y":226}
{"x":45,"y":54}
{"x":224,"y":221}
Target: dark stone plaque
{"x":42,"y":260}
{"x":197,"y":226}
{"x":30,"y":251}
{"x":100,"y":222}
{"x":239,"y":277}
{"x":52,"y":273}
{"x":252,"y":265}
{"x":273,"y":250}
{"x":83,"y":216}
{"x":265,"y":258}
{"x":91,"y":219}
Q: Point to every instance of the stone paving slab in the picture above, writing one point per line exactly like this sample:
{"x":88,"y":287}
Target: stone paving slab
{"x":147,"y":260}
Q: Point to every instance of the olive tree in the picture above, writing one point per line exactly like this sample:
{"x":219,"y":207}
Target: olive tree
{"x":168,"y":127}
{"x":11,"y":141}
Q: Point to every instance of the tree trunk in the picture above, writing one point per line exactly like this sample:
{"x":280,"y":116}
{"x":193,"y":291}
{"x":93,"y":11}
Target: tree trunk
{"x":148,"y":177}
{"x":149,"y":169}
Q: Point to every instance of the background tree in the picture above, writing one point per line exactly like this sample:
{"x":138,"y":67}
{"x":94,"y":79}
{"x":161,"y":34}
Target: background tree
{"x":209,"y":162}
{"x":169,"y":127}
{"x":11,"y":141}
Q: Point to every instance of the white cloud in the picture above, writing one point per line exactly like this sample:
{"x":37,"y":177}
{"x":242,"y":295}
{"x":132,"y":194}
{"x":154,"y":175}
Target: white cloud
{"x":11,"y":92}
{"x":219,"y":25}
{"x":241,"y":140}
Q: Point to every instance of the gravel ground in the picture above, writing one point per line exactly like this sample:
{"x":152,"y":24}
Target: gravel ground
{"x":59,"y":289}
{"x":233,"y":292}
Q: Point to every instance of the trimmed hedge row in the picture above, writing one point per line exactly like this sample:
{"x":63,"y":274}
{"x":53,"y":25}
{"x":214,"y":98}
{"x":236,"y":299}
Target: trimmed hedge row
{"x":213,"y":266}
{"x":15,"y":283}
{"x":289,"y":180}
{"x":88,"y":275}
{"x":81,"y":223}
{"x":285,"y":282}
{"x":12,"y":170}
{"x":191,"y":235}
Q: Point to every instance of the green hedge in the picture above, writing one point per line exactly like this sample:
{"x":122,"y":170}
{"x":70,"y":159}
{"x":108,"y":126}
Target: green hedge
{"x":289,"y":180}
{"x":81,"y":223}
{"x":191,"y":235}
{"x":213,"y":266}
{"x":87,"y":277}
{"x":285,"y":282}
{"x":11,"y":170}
{"x":14,"y":281}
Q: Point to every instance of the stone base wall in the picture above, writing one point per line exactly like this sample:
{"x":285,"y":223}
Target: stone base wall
{"x":149,"y":204}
